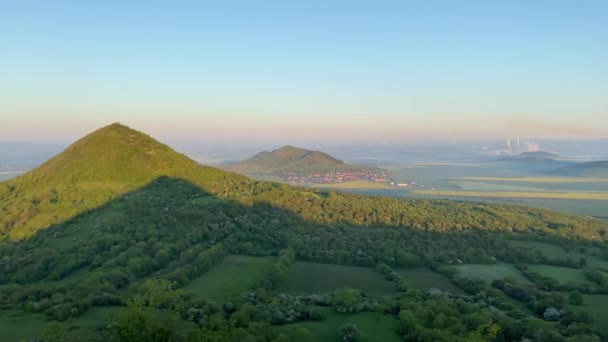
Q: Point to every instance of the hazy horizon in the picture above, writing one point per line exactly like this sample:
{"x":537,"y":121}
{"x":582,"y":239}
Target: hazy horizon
{"x":330,"y":71}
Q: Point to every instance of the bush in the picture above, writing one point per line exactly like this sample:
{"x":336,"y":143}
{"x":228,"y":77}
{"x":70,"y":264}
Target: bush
{"x":348,"y":332}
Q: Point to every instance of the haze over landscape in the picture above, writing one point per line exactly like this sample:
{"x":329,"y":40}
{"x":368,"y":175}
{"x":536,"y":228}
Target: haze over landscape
{"x":304,"y":171}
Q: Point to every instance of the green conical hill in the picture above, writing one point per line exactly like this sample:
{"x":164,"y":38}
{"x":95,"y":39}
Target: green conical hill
{"x":113,"y":153}
{"x":91,"y":172}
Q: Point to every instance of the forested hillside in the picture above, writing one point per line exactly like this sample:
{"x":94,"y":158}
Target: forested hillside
{"x":119,"y":220}
{"x":293,"y":161}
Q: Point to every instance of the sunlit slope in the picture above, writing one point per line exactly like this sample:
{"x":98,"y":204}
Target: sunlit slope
{"x":116,"y":160}
{"x":92,"y":171}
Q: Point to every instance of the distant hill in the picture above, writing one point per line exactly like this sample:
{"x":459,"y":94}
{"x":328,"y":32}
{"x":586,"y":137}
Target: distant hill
{"x":290,"y":160}
{"x":531,"y":156}
{"x":587,"y":169}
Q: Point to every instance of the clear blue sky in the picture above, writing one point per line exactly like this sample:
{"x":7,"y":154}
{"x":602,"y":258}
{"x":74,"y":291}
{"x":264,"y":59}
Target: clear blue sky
{"x":285,"y":70}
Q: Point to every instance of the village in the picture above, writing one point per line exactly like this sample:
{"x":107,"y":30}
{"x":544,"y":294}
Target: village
{"x":332,"y":177}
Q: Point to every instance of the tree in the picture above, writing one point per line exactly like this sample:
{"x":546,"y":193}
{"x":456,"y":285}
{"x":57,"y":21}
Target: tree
{"x":348,"y":332}
{"x":575,"y":298}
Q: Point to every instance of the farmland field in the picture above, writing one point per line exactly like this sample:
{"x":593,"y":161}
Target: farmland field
{"x":479,"y":186}
{"x":308,"y":277}
{"x":16,"y":326}
{"x":356,"y":184}
{"x":597,"y":306}
{"x":551,"y":251}
{"x":539,"y":179}
{"x":423,"y":278}
{"x":372,"y":326}
{"x":578,"y":195}
{"x":562,"y":275}
{"x":488,"y":273}
{"x":228,"y":279}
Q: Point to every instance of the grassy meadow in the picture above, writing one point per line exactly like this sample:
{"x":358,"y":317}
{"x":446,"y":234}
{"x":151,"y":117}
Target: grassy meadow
{"x":576,"y":195}
{"x":597,"y":306}
{"x":423,"y":278}
{"x":372,"y":326}
{"x":551,"y":251}
{"x":309,"y":277}
{"x":488,"y":273}
{"x":228,"y":279}
{"x":355,"y":184}
{"x":562,"y":275}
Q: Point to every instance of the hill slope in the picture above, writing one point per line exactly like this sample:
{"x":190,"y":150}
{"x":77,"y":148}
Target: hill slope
{"x":92,"y":171}
{"x":298,"y":165}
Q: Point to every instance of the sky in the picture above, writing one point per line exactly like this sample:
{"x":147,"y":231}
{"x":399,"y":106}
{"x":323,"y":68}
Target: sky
{"x":290,"y":71}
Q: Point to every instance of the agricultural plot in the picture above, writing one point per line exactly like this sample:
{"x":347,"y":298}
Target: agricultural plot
{"x":597,"y":306}
{"x":573,"y":195}
{"x":309,"y":277}
{"x":372,"y":326}
{"x":551,"y":251}
{"x":228,"y":279}
{"x":479,"y":186}
{"x":17,"y":326}
{"x":562,"y":275}
{"x":488,"y":273}
{"x":356,"y":184}
{"x":83,"y":327}
{"x":423,"y":278}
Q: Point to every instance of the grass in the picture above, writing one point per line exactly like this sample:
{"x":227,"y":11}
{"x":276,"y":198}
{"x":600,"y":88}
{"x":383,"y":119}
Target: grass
{"x":488,"y":273}
{"x":85,"y":326}
{"x":479,"y":186}
{"x":423,"y":278}
{"x":539,"y":179}
{"x":309,"y":277}
{"x":356,"y":184}
{"x":17,"y":326}
{"x":597,"y":306}
{"x":562,"y":275}
{"x":232,"y":276}
{"x":552,"y":251}
{"x":517,"y":194}
{"x":372,"y":326}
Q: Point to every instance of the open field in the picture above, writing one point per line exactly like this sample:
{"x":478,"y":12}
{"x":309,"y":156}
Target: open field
{"x":517,"y":194}
{"x":228,"y":279}
{"x":372,"y":326}
{"x":479,"y":186}
{"x":562,"y":275}
{"x":85,"y":326}
{"x":552,"y":251}
{"x":539,"y":179}
{"x":356,"y":184}
{"x":597,"y":306}
{"x":17,"y":326}
{"x":309,"y":277}
{"x":488,"y":273}
{"x":423,"y":278}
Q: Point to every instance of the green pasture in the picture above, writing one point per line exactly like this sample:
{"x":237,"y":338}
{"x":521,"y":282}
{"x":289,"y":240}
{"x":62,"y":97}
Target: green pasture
{"x":551,"y":251}
{"x":597,"y":306}
{"x":372,"y":326}
{"x":228,"y":279}
{"x":488,"y":273}
{"x":309,"y":277}
{"x":562,"y":275}
{"x":479,"y":186}
{"x":423,"y":278}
